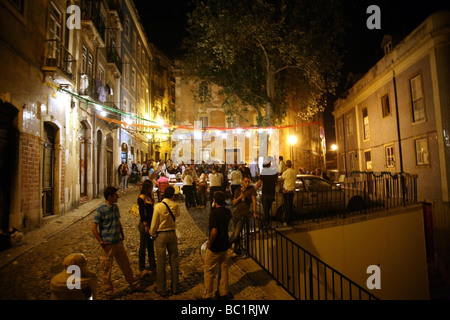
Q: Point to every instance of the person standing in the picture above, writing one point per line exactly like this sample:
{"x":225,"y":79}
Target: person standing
{"x":123,"y":172}
{"x":281,"y":165}
{"x":189,"y":185}
{"x":236,"y":180}
{"x":202,"y":186}
{"x":244,"y":200}
{"x":162,"y":184}
{"x":217,"y":248}
{"x":146,"y":203}
{"x":162,"y":229}
{"x":268,"y":179}
{"x":145,"y":172}
{"x":215,"y":182}
{"x":254,"y":170}
{"x":108,"y":231}
{"x":289,"y":177}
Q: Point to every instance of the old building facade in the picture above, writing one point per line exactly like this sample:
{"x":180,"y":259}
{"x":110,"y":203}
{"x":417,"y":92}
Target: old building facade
{"x":73,"y":75}
{"x":396,"y":119}
{"x":207,"y":132}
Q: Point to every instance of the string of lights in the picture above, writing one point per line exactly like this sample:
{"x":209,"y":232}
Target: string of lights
{"x":155,"y":125}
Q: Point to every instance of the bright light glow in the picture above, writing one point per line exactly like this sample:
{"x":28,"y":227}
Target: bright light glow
{"x":197,"y":135}
{"x":238,"y":131}
{"x":128,"y":121}
{"x":334,"y":147}
{"x":103,"y":113}
{"x":248,"y":134}
{"x":165,"y":130}
{"x":149,"y":136}
{"x":292,"y":139}
{"x":160,"y":121}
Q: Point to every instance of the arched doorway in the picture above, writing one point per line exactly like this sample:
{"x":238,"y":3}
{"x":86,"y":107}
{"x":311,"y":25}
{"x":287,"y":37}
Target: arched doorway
{"x":109,"y":160}
{"x":48,"y":169}
{"x":83,"y":159}
{"x":9,"y":141}
{"x":99,"y":162}
{"x":124,"y":153}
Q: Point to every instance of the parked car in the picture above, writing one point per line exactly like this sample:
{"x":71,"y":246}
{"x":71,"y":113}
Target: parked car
{"x":316,"y":197}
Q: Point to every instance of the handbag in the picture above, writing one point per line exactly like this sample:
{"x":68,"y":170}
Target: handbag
{"x":135,"y":210}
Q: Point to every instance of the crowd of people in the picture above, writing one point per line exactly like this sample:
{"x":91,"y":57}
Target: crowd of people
{"x":157,"y":224}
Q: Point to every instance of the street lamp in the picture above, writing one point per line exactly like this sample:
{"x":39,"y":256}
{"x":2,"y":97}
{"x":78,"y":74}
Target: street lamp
{"x":334,"y":147}
{"x":292,"y":140}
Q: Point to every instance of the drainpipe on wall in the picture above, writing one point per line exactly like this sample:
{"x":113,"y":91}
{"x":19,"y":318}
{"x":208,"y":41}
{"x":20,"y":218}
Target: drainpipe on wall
{"x":402,"y":178}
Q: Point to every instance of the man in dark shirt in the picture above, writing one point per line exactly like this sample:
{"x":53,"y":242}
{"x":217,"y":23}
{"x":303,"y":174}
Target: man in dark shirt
{"x":217,"y":247}
{"x":268,"y":179}
{"x":244,"y":200}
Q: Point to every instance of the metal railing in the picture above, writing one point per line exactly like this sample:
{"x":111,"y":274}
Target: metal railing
{"x":114,"y":57}
{"x":361,"y":194}
{"x":57,"y":55}
{"x":298,"y":271}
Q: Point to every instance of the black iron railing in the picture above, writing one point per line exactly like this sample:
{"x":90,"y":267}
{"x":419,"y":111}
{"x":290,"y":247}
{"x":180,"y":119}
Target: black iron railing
{"x":57,"y":56}
{"x":361,"y":194}
{"x":302,"y":274}
{"x":90,"y":11}
{"x":114,"y":57}
{"x":299,"y":272}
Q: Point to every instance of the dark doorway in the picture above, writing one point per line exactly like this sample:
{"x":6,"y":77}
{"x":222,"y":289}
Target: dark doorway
{"x":48,"y":169}
{"x":9,"y":141}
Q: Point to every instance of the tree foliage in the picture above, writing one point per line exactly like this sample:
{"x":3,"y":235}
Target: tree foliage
{"x":266,"y":54}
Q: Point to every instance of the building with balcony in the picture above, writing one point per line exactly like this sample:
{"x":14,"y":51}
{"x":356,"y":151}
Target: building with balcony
{"x":135,"y":88}
{"x":163,"y":103}
{"x":55,"y":79}
{"x":395,"y":119}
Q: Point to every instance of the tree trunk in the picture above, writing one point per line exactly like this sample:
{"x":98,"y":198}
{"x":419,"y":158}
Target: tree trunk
{"x":271,"y":95}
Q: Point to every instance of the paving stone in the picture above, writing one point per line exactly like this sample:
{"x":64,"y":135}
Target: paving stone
{"x":31,"y":265}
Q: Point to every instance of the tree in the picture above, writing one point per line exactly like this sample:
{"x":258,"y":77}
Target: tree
{"x":264,"y":53}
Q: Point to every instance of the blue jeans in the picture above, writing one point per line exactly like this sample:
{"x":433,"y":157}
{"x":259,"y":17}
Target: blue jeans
{"x":238,"y":222}
{"x":167,"y":241}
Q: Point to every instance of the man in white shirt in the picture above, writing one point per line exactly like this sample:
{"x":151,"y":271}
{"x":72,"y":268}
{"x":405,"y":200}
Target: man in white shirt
{"x":236,"y":178}
{"x":289,"y":177}
{"x":254,"y":170}
{"x":281,"y":166}
{"x":215,"y":183}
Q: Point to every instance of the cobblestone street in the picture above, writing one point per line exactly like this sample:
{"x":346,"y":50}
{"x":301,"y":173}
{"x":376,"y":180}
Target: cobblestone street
{"x":26,"y":270}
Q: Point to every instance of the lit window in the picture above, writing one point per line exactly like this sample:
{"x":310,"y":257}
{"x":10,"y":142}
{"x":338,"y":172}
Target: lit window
{"x":390,"y":158}
{"x":368,"y":158}
{"x":422,"y":155}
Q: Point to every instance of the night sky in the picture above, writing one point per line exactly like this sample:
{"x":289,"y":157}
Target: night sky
{"x":164,"y":22}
